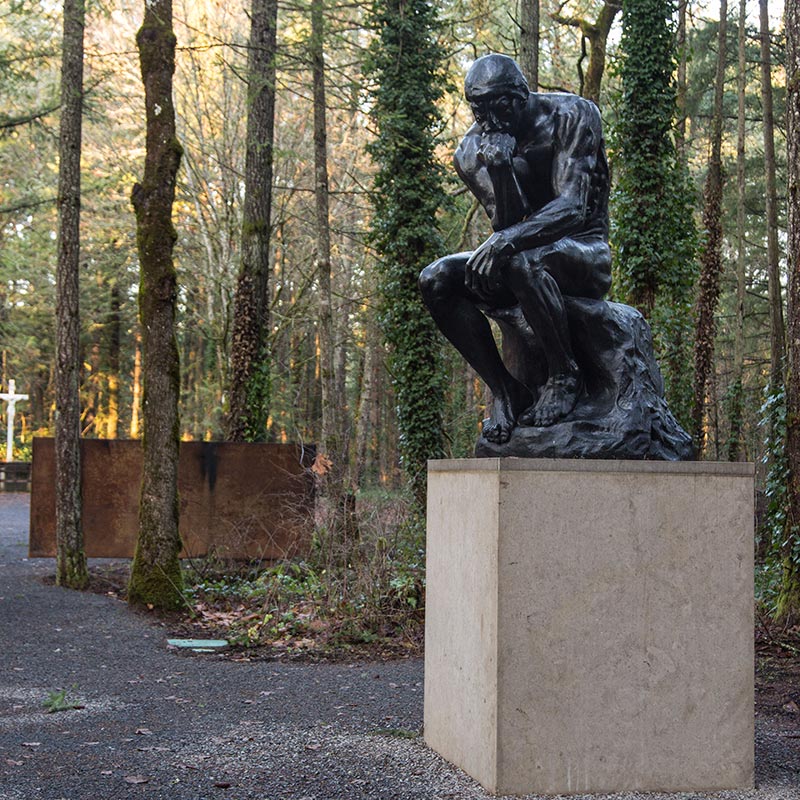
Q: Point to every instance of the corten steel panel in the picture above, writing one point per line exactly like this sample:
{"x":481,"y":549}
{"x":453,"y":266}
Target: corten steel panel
{"x":236,"y":500}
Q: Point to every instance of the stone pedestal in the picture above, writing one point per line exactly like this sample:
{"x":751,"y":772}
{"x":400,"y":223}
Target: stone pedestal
{"x":589,"y":624}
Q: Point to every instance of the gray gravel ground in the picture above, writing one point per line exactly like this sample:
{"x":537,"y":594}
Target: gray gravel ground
{"x":161,"y":724}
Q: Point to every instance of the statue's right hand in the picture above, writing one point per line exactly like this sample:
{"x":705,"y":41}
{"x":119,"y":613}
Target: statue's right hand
{"x":496,"y":149}
{"x":483,"y":266}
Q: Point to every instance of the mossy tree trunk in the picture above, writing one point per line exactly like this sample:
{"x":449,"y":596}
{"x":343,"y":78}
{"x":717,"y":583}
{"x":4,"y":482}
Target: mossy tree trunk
{"x":71,"y":559}
{"x":249,"y":394}
{"x":156,"y":573}
{"x":596,"y":34}
{"x":788,"y":606}
{"x":711,"y":260}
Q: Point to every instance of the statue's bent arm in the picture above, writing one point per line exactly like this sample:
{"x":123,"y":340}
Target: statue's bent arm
{"x":577,"y":146}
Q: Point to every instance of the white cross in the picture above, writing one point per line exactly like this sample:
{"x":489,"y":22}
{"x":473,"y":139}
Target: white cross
{"x":11,"y":398}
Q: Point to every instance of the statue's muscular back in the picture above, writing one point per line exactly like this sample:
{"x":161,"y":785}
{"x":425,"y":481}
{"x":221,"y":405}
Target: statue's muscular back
{"x":552,"y":128}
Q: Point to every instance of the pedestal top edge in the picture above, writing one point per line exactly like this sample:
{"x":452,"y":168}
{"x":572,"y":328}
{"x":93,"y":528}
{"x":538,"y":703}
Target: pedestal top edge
{"x":510,"y":464}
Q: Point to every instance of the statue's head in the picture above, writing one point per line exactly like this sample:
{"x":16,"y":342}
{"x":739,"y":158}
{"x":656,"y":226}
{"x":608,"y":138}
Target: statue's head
{"x":497,"y":92}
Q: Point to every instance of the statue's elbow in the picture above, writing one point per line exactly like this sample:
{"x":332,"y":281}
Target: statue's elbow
{"x":427,"y":280}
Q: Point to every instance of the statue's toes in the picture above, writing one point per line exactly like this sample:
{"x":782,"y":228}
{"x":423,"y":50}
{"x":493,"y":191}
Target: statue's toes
{"x":527,"y":419}
{"x":539,"y":415}
{"x":494,"y":432}
{"x":548,"y":418}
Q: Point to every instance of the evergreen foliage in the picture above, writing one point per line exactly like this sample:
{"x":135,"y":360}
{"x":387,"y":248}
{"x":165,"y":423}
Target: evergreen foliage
{"x":778,"y":540}
{"x":653,"y":232}
{"x":406,"y":66}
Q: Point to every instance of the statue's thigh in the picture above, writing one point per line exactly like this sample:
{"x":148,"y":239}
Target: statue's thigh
{"x":580,"y":268}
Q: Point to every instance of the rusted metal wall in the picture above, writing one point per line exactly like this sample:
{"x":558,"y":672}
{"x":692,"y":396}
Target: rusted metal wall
{"x":236,"y":500}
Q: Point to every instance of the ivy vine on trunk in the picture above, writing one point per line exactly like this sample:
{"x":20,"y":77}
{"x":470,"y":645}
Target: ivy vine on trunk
{"x":405,"y":64}
{"x":652,"y":230}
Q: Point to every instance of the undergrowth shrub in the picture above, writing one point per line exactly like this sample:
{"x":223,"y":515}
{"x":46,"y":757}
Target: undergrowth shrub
{"x":362,"y":583}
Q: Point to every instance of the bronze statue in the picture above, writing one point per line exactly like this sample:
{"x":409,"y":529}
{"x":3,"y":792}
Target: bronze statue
{"x":536,"y":162}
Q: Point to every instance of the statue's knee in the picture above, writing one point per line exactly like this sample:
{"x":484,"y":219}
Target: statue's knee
{"x":433,"y":280}
{"x":601,"y":277}
{"x":603,"y":284}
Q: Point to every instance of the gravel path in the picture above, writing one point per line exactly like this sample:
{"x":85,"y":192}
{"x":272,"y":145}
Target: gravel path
{"x":160,"y":724}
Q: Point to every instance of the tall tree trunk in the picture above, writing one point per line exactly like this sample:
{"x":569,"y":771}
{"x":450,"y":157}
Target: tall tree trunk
{"x":71,"y":567}
{"x":788,"y":605}
{"x":529,"y":41}
{"x":250,"y":363}
{"x":156,"y":572}
{"x":329,"y":436}
{"x":332,"y":435}
{"x":711,"y":261}
{"x":596,"y":34}
{"x":777,"y":327}
{"x":736,"y":389}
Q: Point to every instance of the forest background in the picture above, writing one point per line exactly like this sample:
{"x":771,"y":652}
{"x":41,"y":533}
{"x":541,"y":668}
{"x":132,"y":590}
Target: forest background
{"x":717,"y":127}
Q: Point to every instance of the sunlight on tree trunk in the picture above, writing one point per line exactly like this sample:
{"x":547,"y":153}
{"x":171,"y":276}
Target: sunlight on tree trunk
{"x":596,"y":34}
{"x":114,"y":336}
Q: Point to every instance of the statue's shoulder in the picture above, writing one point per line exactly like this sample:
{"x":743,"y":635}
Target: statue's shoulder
{"x":568,"y":107}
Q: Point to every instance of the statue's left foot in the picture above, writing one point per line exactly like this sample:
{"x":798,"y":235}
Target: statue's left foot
{"x":558,"y":397}
{"x":505,"y":407}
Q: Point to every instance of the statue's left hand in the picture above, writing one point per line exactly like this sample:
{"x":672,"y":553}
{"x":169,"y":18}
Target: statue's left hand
{"x":483,"y":266}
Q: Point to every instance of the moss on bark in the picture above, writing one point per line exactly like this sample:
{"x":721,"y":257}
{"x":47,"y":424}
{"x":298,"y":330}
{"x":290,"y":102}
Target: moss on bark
{"x":160,"y":586}
{"x":156,"y":575}
{"x":787,"y":608}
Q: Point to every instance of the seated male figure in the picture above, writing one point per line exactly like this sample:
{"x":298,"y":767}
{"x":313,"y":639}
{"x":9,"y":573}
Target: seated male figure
{"x":536,"y":163}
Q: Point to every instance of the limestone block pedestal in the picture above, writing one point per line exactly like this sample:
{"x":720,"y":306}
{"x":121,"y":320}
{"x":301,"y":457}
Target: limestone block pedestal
{"x":589,"y":624}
